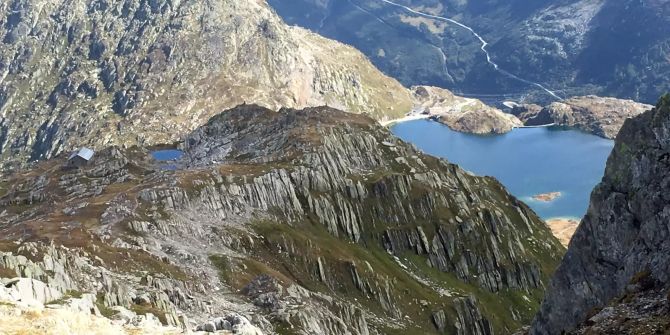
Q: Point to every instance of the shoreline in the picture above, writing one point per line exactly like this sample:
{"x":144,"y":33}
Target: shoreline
{"x":414,"y":117}
{"x":406,"y":118}
{"x":538,"y":126}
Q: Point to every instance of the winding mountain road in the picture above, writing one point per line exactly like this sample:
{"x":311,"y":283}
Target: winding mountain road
{"x":369,"y":13}
{"x":439,"y":50}
{"x":483,"y":47}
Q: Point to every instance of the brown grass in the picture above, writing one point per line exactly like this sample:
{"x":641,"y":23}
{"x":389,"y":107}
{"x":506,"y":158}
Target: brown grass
{"x":7,"y":273}
{"x":239,"y":272}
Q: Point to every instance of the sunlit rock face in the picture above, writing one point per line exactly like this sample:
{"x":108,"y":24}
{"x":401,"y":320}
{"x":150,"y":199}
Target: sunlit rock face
{"x":99,"y":72}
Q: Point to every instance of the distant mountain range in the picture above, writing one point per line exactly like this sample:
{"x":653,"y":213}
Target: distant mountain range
{"x":616,"y":48}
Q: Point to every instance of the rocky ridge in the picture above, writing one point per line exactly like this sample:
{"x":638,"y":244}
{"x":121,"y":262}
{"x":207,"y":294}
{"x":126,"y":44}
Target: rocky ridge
{"x":600,"y":116}
{"x":301,"y":222}
{"x":100,"y":73}
{"x":614,"y":276}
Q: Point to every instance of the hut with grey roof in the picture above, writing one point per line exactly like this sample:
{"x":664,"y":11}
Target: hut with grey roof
{"x":80,"y":157}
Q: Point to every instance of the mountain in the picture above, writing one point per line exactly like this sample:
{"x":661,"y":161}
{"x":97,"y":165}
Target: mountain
{"x":572,"y":47}
{"x":307,"y":221}
{"x":614,"y":277}
{"x":146,"y":72}
{"x":100,"y":73}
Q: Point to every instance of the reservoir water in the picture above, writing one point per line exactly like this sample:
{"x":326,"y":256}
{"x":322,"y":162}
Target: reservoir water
{"x":167,"y":157}
{"x":167,"y":154}
{"x":528,"y":161}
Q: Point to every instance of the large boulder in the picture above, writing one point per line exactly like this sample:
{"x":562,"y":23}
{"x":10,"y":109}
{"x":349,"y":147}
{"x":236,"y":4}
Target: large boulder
{"x":31,"y":291}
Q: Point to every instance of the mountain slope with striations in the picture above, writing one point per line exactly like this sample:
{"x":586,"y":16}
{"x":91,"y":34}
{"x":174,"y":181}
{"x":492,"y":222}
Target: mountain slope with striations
{"x":300,"y":221}
{"x":100,"y":73}
{"x":614,"y":277}
{"x":613,"y":48}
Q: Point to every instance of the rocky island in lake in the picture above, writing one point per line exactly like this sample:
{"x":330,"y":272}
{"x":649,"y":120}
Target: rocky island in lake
{"x":547,"y":197}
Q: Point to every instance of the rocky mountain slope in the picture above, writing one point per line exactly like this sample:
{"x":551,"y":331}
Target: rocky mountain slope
{"x":556,"y":43}
{"x":298,"y":222}
{"x":20,"y":313}
{"x":461,"y":114}
{"x":101,"y":73}
{"x":614,"y":278}
{"x":600,"y":116}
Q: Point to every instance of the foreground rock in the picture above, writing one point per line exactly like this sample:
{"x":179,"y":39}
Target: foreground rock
{"x":620,"y":254}
{"x":305,"y":222}
{"x":462,"y":114}
{"x":600,"y":116}
{"x":97,"y":73}
{"x":25,"y":309}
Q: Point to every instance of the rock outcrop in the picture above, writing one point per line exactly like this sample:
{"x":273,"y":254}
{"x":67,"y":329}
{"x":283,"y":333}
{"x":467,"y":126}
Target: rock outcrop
{"x":619,"y":257}
{"x":461,"y":114}
{"x":603,"y":117}
{"x":23,"y":310}
{"x":100,"y":73}
{"x":302,"y":221}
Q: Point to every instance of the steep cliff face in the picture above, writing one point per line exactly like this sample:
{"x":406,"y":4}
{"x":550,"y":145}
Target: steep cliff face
{"x":101,"y":72}
{"x":303,"y":222}
{"x":621,"y":248}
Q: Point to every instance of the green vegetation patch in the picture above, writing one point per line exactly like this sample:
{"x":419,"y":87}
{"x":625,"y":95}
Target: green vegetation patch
{"x":222,"y":265}
{"x":295,"y":251}
{"x":237,"y":273}
{"x":312,"y":243}
{"x":4,"y":188}
{"x":104,"y":310}
{"x":145,"y":309}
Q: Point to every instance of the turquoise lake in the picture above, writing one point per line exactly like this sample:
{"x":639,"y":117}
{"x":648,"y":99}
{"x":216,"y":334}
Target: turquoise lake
{"x":528,"y":161}
{"x":167,"y":155}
